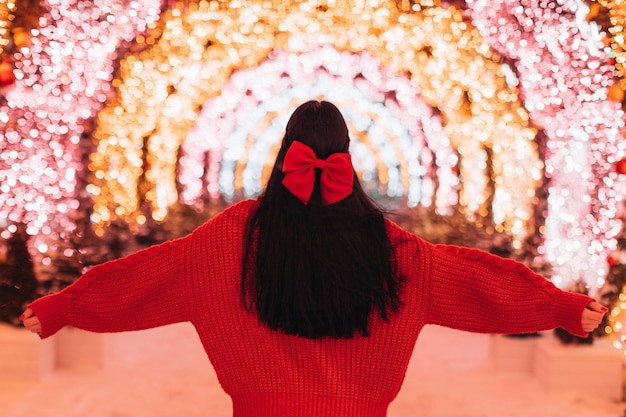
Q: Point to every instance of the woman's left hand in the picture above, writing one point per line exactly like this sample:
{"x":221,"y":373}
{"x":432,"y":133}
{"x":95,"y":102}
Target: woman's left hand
{"x":592,"y":316}
{"x":31,"y":321}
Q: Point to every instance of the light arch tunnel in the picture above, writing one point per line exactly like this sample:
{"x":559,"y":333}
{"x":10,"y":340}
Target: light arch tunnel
{"x":202,"y":111}
{"x":194,"y":66}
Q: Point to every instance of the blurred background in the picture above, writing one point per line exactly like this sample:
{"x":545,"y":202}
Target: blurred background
{"x":497,"y":125}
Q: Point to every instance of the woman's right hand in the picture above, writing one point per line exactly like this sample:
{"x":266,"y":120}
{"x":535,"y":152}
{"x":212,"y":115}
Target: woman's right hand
{"x":31,"y":321}
{"x":592,"y":316}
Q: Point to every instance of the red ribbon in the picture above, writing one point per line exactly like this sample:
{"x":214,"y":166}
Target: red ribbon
{"x":299,"y":169}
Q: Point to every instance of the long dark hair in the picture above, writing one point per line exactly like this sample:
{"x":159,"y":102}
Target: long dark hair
{"x":317,"y":270}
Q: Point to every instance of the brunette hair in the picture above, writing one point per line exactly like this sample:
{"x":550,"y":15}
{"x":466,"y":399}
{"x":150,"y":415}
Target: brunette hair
{"x":317,"y":270}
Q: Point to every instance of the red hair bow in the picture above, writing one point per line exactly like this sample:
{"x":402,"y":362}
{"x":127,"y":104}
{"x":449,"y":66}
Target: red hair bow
{"x":299,"y":169}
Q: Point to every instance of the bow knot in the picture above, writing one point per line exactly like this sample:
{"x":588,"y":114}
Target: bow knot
{"x":299,"y":168}
{"x":320,"y":163}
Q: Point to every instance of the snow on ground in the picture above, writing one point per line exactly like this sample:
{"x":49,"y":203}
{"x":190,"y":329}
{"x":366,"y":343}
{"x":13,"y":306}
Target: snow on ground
{"x":164,"y":373}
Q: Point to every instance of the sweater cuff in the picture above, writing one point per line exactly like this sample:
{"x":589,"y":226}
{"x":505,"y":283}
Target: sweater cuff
{"x":569,"y":312}
{"x":51,"y":311}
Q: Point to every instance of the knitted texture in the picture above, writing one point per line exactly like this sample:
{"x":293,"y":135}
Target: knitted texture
{"x":269,"y":373}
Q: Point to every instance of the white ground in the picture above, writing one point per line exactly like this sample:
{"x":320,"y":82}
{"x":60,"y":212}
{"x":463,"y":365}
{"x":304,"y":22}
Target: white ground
{"x":164,"y":373}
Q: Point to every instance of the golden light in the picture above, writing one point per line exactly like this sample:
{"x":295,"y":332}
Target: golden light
{"x":190,"y":56}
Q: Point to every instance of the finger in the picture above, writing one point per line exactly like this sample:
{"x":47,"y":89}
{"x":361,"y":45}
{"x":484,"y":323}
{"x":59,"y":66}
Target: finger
{"x":592,"y":315}
{"x":590,"y":319}
{"x":26,"y":314}
{"x":33,"y":321}
{"x":590,"y":326}
{"x":33,"y":324}
{"x":595,"y":306}
{"x":35,"y":329}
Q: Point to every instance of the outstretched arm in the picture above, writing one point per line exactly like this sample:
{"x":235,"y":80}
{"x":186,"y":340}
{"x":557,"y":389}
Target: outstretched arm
{"x":143,"y":290}
{"x":476,"y":291}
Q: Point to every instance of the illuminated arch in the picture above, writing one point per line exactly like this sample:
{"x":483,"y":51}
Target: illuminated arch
{"x":162,"y":89}
{"x":406,"y":149}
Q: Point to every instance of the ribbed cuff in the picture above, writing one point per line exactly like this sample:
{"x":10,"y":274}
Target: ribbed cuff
{"x":570,"y":311}
{"x":305,"y":405}
{"x":51,"y":311}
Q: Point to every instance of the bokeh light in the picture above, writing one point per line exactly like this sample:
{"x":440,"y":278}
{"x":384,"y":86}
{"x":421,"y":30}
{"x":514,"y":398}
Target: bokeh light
{"x":470,"y":91}
{"x":119,"y":110}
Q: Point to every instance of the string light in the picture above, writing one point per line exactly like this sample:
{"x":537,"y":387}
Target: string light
{"x":615,"y":323}
{"x":617,"y":17}
{"x":563,"y":75}
{"x":388,"y":139}
{"x":441,"y":66}
{"x":7,"y":9}
{"x":63,"y":77}
{"x":495,"y":92}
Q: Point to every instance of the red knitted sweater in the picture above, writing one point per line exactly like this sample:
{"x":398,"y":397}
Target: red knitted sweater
{"x":270,"y":374}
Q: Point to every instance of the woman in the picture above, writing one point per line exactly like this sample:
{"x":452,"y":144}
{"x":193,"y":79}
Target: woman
{"x":307,"y":300}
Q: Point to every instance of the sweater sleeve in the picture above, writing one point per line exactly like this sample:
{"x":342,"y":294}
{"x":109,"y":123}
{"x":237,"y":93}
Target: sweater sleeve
{"x":476,"y":291}
{"x":140,"y":291}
